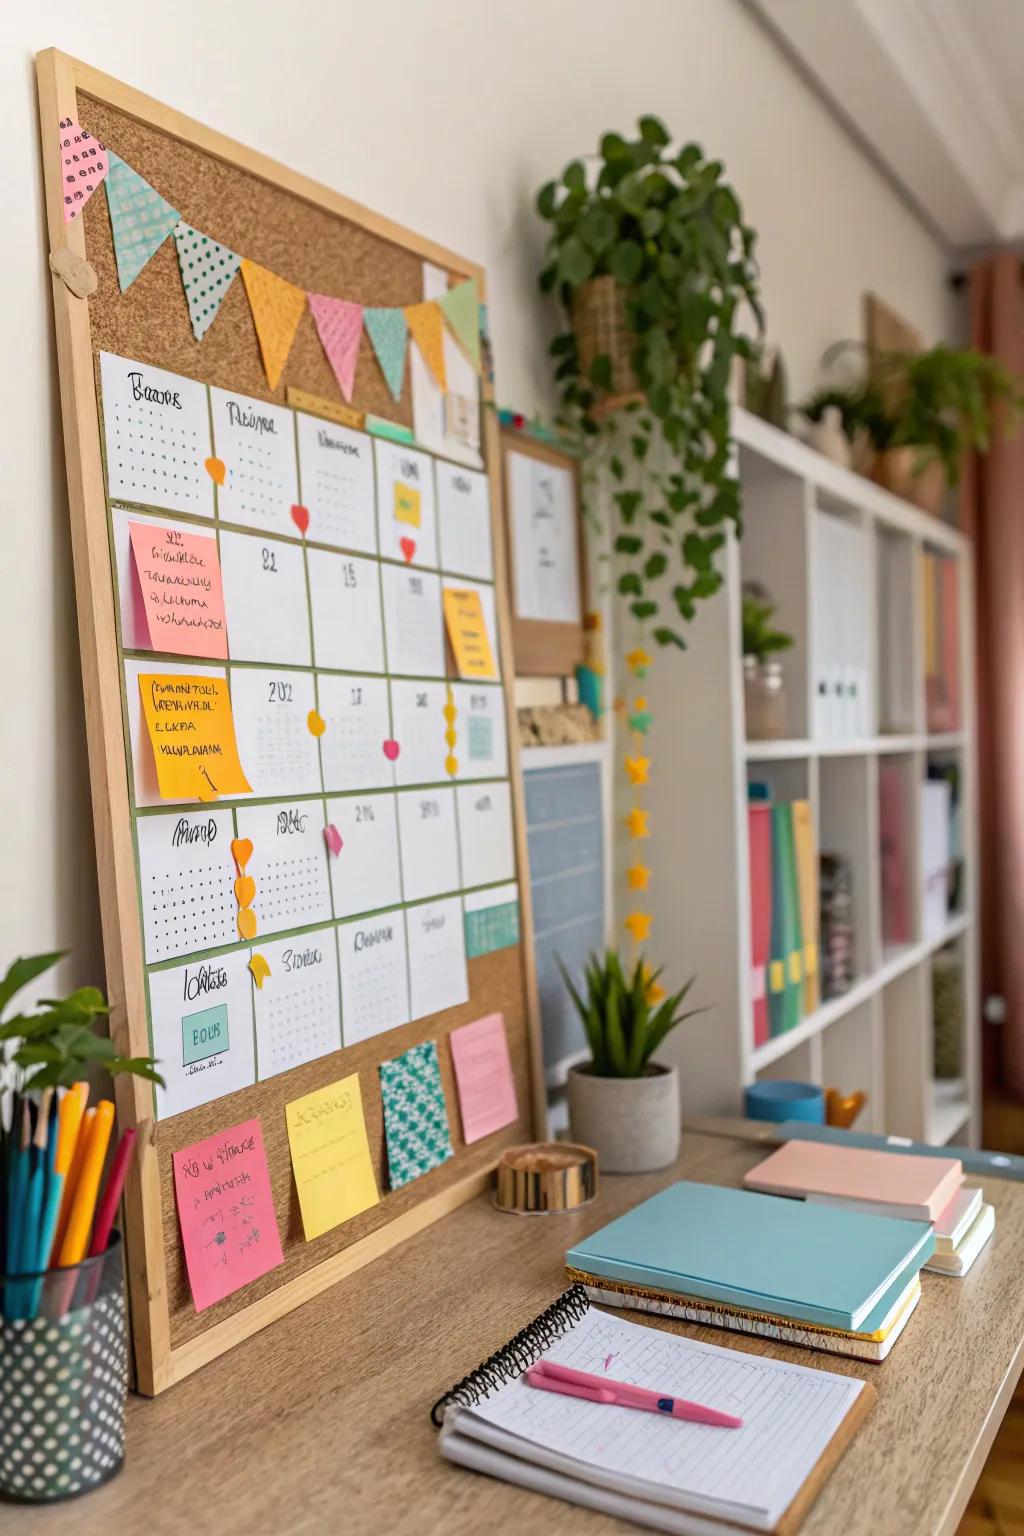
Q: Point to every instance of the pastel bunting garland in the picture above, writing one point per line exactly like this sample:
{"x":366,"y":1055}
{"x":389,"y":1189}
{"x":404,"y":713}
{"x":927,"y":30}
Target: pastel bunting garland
{"x":141,"y":220}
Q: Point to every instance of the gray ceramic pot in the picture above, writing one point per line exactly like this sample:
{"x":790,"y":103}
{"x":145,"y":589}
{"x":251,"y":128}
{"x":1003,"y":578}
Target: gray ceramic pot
{"x":633,"y":1123}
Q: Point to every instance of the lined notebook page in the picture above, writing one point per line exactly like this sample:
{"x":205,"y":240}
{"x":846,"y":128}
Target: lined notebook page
{"x":790,"y":1414}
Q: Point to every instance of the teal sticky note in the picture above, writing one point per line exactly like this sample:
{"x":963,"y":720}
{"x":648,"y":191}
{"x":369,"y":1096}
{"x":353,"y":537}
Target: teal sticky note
{"x":204,"y":1033}
{"x":492,"y":928}
{"x":415,"y":1114}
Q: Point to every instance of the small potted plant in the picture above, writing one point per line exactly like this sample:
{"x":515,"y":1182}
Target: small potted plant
{"x":922,"y":412}
{"x":763,"y":682}
{"x":621,"y":1102}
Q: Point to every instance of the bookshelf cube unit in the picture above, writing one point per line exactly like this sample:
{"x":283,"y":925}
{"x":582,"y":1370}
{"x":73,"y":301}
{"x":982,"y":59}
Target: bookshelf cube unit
{"x":878,"y":599}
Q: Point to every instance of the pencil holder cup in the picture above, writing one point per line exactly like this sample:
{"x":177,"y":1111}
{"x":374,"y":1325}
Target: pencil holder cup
{"x":63,"y":1379}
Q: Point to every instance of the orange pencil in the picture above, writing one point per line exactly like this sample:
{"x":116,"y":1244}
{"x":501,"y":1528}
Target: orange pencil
{"x":71,"y":1181}
{"x":76,"y":1238}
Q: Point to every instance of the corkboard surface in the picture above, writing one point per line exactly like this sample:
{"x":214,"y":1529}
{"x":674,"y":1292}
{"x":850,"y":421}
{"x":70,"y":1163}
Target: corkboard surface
{"x":327,"y":253}
{"x":316,"y":250}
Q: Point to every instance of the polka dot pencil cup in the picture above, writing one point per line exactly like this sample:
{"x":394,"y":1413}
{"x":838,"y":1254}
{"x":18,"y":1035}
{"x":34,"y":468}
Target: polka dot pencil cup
{"x":63,"y":1379}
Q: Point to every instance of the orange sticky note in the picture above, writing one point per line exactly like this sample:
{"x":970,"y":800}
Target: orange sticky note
{"x":407,"y":504}
{"x":467,"y":631}
{"x":192,"y":733}
{"x":182,"y":595}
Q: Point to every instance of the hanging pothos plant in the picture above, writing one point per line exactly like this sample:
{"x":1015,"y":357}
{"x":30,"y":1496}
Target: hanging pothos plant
{"x":655,"y":270}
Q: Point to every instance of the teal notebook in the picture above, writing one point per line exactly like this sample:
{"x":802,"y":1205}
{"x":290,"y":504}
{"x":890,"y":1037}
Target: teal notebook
{"x":785,"y":962}
{"x":810,"y":1263}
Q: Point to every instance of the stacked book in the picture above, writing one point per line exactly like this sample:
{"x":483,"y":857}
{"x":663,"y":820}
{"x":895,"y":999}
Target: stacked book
{"x":887,"y":1184}
{"x":842,"y":1281}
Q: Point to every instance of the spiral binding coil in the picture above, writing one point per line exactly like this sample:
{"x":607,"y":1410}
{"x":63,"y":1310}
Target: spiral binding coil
{"x":517,"y":1355}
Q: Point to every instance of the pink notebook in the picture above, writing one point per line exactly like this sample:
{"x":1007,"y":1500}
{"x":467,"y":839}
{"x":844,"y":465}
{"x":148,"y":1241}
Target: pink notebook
{"x":884,"y":1183}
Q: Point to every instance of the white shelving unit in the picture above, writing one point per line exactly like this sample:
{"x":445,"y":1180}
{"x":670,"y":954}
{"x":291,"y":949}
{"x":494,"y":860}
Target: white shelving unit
{"x":878,"y":1035}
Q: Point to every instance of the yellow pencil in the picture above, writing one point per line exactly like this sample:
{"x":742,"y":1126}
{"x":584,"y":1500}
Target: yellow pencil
{"x":76,"y":1238}
{"x":71,"y":1182}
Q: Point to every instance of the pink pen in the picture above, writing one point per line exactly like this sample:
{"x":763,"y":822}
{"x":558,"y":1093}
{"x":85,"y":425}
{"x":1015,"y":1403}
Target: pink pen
{"x":550,"y":1377}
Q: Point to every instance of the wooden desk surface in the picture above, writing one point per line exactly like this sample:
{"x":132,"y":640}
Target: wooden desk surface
{"x":321,"y":1423}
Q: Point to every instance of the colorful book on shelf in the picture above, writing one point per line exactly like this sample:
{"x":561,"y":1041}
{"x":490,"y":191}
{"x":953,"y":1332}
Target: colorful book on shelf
{"x":807,"y":885}
{"x":798,"y":1262}
{"x":936,"y":812}
{"x":849,"y":1178}
{"x":759,"y":822}
{"x":893,"y":840}
{"x":785,"y":966}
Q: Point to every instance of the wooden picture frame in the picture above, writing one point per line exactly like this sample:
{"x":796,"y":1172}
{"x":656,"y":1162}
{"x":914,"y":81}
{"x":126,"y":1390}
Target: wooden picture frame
{"x":542,"y":647}
{"x":169,"y":1344}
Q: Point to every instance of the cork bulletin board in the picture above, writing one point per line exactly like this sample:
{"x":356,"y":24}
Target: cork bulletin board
{"x":547,"y":562}
{"x":319,"y":241}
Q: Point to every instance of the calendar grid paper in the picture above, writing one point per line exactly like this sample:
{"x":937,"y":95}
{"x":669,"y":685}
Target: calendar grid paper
{"x":322,"y":936}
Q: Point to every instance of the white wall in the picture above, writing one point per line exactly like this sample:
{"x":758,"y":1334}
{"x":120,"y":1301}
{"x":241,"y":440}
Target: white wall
{"x":446,"y":114}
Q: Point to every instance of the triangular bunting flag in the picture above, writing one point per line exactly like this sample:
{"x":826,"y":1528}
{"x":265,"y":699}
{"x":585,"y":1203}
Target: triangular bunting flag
{"x":83,"y":165}
{"x":207,"y":271}
{"x":140,"y":219}
{"x":427,"y":326}
{"x":339,"y":325}
{"x":461,"y":307}
{"x":389,"y":333}
{"x":276,"y":311}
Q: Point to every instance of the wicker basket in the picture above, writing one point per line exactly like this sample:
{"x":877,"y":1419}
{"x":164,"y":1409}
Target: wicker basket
{"x":599,"y":324}
{"x":896,"y":470}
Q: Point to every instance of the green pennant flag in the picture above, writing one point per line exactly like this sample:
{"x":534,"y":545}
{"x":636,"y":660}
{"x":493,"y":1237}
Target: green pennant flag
{"x":461,"y":306}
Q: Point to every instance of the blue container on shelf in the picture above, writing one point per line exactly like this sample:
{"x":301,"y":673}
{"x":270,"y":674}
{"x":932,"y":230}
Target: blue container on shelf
{"x":779,"y":1101}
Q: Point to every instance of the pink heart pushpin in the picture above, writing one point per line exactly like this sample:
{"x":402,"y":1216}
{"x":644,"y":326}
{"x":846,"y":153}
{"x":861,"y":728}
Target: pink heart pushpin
{"x":391,"y":750}
{"x":300,"y":517}
{"x":332,"y":837}
{"x":408,"y":548}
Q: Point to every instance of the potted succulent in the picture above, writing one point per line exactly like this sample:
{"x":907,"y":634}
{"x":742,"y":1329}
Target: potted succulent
{"x":921,"y":412}
{"x":763,"y":683}
{"x":621,"y":1102}
{"x":654,"y":268}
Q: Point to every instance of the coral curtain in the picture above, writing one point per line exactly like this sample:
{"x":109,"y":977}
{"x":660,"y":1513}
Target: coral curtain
{"x":993,"y":514}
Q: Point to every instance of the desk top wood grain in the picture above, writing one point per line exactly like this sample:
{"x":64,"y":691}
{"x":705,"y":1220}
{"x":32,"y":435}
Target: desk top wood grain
{"x":321,"y":1423}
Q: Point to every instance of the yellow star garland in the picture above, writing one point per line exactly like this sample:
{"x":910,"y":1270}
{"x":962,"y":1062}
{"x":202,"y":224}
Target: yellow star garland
{"x":636,"y":768}
{"x":638,"y":924}
{"x":638,"y":876}
{"x":636,"y":821}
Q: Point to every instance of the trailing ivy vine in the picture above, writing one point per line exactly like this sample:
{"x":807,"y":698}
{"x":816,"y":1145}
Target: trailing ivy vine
{"x":668,"y":229}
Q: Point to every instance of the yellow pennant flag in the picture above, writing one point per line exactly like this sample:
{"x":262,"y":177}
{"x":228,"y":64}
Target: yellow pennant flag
{"x":426,"y":323}
{"x":276,"y":311}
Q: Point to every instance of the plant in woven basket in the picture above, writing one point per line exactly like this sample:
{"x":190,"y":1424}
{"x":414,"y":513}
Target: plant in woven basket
{"x":654,"y":267}
{"x":623,"y":1026}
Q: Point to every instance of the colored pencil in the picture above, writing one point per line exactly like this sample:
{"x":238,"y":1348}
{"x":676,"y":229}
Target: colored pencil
{"x":71,"y":1182}
{"x":112,"y":1194}
{"x":76,"y":1237}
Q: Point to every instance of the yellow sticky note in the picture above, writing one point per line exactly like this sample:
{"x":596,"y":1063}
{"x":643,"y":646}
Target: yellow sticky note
{"x":467,"y":631}
{"x":330,"y":1156}
{"x":192,"y":733}
{"x":407,"y":504}
{"x":776,"y":976}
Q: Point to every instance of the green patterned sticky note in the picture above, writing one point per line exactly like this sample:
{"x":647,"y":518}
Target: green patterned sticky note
{"x":415,"y":1116}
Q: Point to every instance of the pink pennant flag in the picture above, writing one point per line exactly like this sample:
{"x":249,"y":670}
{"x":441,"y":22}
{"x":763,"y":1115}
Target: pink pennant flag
{"x":83,"y":163}
{"x":339,"y":325}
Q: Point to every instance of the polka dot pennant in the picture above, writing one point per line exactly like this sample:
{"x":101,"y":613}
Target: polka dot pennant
{"x":140,"y":219}
{"x":207,"y":272}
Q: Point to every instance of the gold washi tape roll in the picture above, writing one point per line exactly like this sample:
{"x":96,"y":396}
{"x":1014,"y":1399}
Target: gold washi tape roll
{"x":545,"y":1176}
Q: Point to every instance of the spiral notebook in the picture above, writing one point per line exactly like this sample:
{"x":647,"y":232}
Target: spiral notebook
{"x":667,"y":1474}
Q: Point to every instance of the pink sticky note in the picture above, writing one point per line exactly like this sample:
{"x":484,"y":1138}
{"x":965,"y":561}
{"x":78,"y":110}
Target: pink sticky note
{"x":83,"y":165}
{"x":226,"y":1212}
{"x":483,"y":1076}
{"x":182,"y":596}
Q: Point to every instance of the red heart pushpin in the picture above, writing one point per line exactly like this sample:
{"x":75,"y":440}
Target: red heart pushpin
{"x":391,"y":750}
{"x":300,"y":517}
{"x":332,"y":837}
{"x":408,"y":548}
